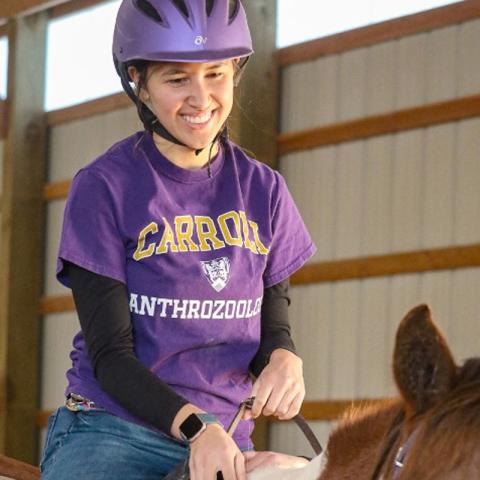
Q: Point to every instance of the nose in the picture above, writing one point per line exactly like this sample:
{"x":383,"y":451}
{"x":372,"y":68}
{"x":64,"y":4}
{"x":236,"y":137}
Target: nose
{"x":199,"y":95}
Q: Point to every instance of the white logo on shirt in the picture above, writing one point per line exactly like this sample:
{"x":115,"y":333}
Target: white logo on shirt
{"x":217,"y":272}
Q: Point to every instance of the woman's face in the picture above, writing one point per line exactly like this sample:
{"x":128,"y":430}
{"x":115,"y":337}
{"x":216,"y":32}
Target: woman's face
{"x":191,"y":100}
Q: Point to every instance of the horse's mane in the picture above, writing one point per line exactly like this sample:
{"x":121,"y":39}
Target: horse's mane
{"x":359,"y":428}
{"x":451,"y":429}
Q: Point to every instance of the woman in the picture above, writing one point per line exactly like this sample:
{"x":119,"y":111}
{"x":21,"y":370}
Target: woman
{"x":177,"y":247}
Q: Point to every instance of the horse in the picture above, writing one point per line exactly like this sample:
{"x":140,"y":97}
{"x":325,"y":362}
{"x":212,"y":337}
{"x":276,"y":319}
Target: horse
{"x":431,"y":431}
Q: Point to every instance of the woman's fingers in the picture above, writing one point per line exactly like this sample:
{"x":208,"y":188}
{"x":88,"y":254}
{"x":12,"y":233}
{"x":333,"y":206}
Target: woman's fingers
{"x":261,"y":391}
{"x":293,"y":407}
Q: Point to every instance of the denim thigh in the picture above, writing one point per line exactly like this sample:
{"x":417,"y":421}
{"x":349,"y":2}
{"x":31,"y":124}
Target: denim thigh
{"x":95,"y":445}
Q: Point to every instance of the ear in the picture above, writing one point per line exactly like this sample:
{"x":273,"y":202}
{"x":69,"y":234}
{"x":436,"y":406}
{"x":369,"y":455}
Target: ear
{"x":135,"y":78}
{"x":423,"y":365}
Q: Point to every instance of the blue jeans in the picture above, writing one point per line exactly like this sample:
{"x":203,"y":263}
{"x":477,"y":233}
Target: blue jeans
{"x":95,"y":445}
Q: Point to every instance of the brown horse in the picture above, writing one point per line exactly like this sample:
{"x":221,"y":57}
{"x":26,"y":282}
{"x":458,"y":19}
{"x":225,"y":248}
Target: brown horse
{"x":431,"y":432}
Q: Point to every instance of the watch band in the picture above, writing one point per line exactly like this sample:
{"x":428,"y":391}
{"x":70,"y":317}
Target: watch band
{"x":195,"y":424}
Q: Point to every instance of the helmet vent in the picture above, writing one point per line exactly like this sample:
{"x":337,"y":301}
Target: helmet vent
{"x":181,"y":5}
{"x":149,"y":10}
{"x":209,"y":6}
{"x":233,"y":7}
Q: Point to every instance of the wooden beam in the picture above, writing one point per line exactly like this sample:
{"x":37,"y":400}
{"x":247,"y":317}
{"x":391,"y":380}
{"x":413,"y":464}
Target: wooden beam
{"x":13,"y":8}
{"x":22,"y":227}
{"x":88,"y":109}
{"x":392,"y":264}
{"x":56,"y":304}
{"x":3,"y":29}
{"x":254,"y":120}
{"x":69,"y":7}
{"x":56,"y":190}
{"x":381,"y":32}
{"x":3,"y":118}
{"x":408,"y":119}
{"x":375,"y":266}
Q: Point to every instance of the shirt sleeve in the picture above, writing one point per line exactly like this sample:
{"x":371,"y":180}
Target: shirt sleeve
{"x":102,"y":306}
{"x":291,"y":245}
{"x":275,"y":326}
{"x":90,"y":236}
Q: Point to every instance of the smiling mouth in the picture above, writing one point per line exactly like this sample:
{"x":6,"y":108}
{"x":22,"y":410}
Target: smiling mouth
{"x":198,"y":119}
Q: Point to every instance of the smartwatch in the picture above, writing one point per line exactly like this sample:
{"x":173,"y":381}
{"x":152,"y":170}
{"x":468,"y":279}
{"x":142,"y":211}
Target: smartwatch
{"x":195,"y":424}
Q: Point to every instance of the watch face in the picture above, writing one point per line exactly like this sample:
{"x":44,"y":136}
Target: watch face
{"x":191,"y":426}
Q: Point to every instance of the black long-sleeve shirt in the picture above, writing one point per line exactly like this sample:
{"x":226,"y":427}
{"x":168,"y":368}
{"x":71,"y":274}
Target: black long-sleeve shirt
{"x":103,"y":310}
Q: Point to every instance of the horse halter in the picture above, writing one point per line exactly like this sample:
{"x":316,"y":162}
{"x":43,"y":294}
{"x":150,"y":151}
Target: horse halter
{"x":402,"y":451}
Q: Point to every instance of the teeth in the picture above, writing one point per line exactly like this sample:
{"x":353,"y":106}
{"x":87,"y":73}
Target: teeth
{"x":198,"y":119}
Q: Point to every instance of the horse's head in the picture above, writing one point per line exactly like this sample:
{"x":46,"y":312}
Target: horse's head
{"x":432,"y":432}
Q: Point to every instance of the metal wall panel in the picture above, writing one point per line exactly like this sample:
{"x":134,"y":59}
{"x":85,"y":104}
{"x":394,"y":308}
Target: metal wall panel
{"x":54,"y":220}
{"x":467,"y":69}
{"x":408,"y":191}
{"x":412,"y":71}
{"x":76,"y":143}
{"x":58,"y":332}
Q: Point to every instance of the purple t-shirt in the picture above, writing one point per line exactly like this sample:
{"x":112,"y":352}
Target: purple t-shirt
{"x":195,"y":253}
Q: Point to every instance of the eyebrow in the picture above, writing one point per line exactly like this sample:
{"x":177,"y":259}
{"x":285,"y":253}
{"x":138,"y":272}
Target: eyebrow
{"x":177,"y":70}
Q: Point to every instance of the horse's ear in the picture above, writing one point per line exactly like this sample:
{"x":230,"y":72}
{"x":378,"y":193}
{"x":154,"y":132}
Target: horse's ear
{"x":423,"y":365}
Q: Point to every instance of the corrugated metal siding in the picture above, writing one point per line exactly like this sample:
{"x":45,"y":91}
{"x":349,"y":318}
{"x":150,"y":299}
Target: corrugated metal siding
{"x":412,"y":71}
{"x":409,"y":191}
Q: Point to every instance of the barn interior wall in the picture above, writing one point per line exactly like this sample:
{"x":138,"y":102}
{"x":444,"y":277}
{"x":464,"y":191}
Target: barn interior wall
{"x":401,"y":192}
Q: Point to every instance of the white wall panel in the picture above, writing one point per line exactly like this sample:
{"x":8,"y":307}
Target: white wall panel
{"x":410,"y":71}
{"x":441,"y":64}
{"x":345,"y":329}
{"x":373,"y":350}
{"x":467,"y":182}
{"x":58,"y":333}
{"x":413,"y":190}
{"x":407,"y":190}
{"x":316,"y":197}
{"x":75,"y":144}
{"x":315,"y":102}
{"x":324,"y":103}
{"x":467,"y":52}
{"x":381,"y":78}
{"x":348,"y":200}
{"x":464,"y":331}
{"x":438,"y":186}
{"x":376,"y":229}
{"x":353,"y":84}
{"x":298,"y":113}
{"x":312,"y":321}
{"x":54,"y":220}
{"x":429,"y":67}
{"x":286,"y":437}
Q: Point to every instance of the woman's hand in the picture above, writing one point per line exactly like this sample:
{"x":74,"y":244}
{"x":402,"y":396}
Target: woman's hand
{"x":279,"y":390}
{"x":254,"y":460}
{"x":215,"y":451}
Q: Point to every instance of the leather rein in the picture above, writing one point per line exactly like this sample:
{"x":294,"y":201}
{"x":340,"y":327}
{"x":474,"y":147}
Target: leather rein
{"x":298,"y":419}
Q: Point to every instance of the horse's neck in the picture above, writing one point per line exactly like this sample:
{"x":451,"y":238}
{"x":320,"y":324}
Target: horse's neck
{"x":356,"y":440}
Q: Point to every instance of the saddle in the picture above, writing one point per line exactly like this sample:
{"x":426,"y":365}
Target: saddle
{"x":182,"y":472}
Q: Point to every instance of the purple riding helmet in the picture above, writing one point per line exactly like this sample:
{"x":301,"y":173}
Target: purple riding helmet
{"x":177,"y":31}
